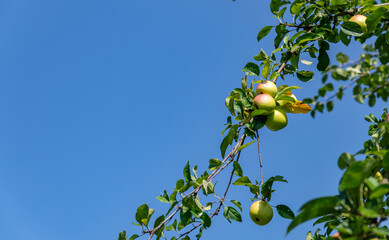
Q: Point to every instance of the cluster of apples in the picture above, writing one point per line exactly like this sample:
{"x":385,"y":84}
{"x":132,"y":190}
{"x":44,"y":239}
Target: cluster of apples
{"x":276,"y":117}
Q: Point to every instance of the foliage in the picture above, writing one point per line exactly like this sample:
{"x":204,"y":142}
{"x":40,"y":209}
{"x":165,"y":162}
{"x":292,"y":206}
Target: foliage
{"x":305,"y":32}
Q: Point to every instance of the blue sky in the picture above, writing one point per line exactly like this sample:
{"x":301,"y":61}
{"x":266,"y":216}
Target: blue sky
{"x":103,"y":102}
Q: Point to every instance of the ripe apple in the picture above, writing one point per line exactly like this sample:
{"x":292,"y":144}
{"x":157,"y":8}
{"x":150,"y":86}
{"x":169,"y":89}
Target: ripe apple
{"x":336,"y":235}
{"x":283,"y":102}
{"x":277,"y":120}
{"x":264,"y":102}
{"x":261,"y":212}
{"x":267,"y":87}
{"x":361,"y":20}
{"x":387,"y":118}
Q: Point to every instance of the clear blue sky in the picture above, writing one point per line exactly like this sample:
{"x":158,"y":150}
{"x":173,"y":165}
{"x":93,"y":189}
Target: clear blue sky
{"x":103,"y":102}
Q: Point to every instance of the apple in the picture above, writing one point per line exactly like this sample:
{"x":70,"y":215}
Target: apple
{"x":336,"y":235}
{"x":265,"y":102}
{"x":283,"y":102}
{"x":261,"y":213}
{"x":378,"y":176}
{"x":277,"y":120}
{"x":361,"y":20}
{"x":267,"y":87}
{"x":387,"y":118}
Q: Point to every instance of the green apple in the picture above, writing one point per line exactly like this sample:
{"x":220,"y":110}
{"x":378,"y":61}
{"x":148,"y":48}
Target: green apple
{"x":264,"y":102}
{"x":277,"y":120}
{"x":261,"y":212}
{"x":361,"y":20}
{"x":283,"y":102}
{"x":267,"y":87}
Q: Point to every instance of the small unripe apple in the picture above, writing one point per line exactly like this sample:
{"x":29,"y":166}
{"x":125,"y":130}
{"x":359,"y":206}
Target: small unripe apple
{"x":387,"y":118}
{"x":261,"y":213}
{"x":361,"y":20}
{"x":264,"y":102}
{"x":283,"y":102}
{"x":378,"y":176}
{"x":277,"y":120}
{"x":267,"y":87}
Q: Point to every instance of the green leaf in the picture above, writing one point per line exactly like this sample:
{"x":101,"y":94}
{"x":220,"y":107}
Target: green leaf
{"x":371,"y":118}
{"x":370,"y":213}
{"x":172,"y":227}
{"x":285,"y":212}
{"x":245,"y":145}
{"x":374,"y":18}
{"x":286,"y":98}
{"x":382,"y":231}
{"x":307,"y":37}
{"x":287,"y":89}
{"x":187,"y":173}
{"x":305,"y":76}
{"x":357,"y":94}
{"x":275,"y":6}
{"x":180,"y":184}
{"x":259,"y":112}
{"x":230,"y":105}
{"x":238,"y":204}
{"x":214,"y":164}
{"x":266,"y":189}
{"x":380,"y":191}
{"x":251,"y":69}
{"x":142,"y":213}
{"x":232,"y":213}
{"x":345,"y":160}
{"x":324,"y":219}
{"x":356,"y":173}
{"x":372,"y":100}
{"x":158,"y":221}
{"x":242,"y":181}
{"x":352,"y":29}
{"x":263,"y":33}
{"x":238,"y":169}
{"x":206,"y":220}
{"x":324,"y":60}
{"x":315,"y":208}
{"x":266,"y":68}
{"x":164,"y":198}
{"x":133,"y":237}
{"x":123,"y":235}
{"x":342,"y":58}
{"x":330,"y":106}
{"x":295,"y":8}
{"x":223,"y":146}
{"x":385,"y":162}
{"x":346,"y":39}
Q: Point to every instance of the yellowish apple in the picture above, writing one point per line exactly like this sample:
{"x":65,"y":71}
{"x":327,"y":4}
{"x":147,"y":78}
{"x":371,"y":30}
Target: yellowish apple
{"x":277,"y":120}
{"x":261,"y":213}
{"x":264,"y":102}
{"x":267,"y":87}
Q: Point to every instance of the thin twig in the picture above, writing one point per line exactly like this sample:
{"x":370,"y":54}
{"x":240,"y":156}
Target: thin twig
{"x":220,"y":205}
{"x":351,"y":83}
{"x":231,"y":155}
{"x":260,"y":159}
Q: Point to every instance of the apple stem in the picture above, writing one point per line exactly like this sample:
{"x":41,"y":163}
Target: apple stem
{"x":260,"y":159}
